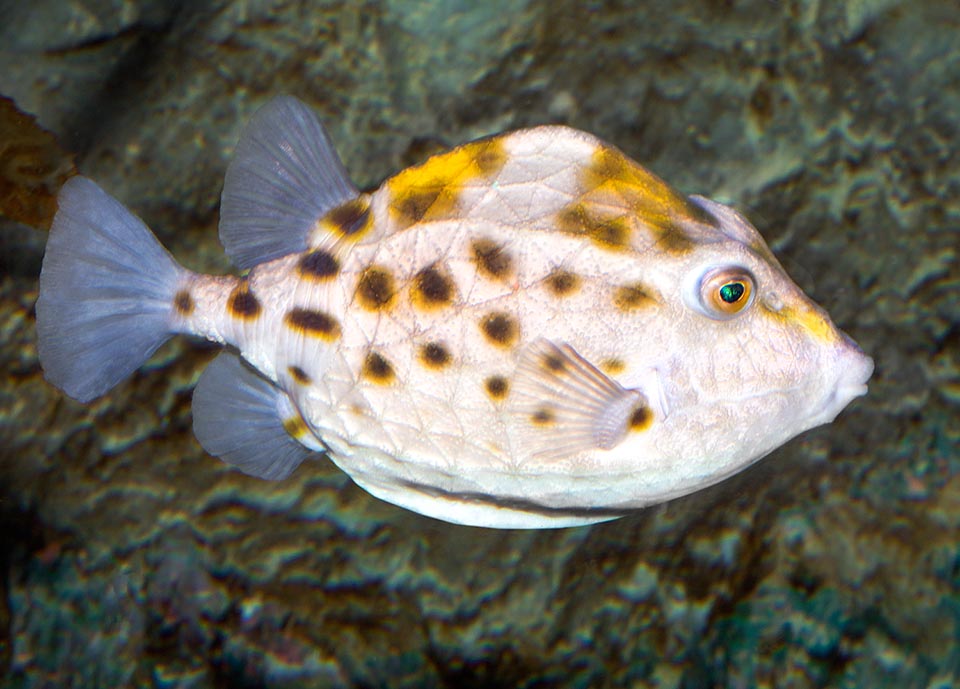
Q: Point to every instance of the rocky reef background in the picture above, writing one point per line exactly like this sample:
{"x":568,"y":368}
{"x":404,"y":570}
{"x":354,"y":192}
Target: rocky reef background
{"x":128,"y":557}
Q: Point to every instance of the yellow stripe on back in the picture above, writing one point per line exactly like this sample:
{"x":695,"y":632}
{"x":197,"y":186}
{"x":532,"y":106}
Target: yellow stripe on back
{"x":430,"y":191}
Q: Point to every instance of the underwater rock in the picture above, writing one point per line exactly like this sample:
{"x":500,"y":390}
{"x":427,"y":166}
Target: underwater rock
{"x":831,"y":563}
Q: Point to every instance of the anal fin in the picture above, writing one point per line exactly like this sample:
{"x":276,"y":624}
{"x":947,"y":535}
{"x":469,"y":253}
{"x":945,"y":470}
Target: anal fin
{"x":247,"y":421}
{"x":563,"y":405}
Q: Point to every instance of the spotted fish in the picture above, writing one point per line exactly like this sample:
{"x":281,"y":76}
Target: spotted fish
{"x":530,"y":330}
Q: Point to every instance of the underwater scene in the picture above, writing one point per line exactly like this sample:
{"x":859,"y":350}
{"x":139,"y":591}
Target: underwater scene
{"x":515,"y":415}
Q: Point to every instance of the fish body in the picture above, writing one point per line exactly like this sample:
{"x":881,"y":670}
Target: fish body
{"x":530,"y":330}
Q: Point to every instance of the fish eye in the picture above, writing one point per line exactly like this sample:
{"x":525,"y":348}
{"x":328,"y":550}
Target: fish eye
{"x":726,"y":292}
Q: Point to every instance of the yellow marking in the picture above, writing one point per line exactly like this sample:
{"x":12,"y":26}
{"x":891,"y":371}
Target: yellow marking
{"x":613,"y":177}
{"x":430,"y":191}
{"x":613,"y":366}
{"x":810,"y":319}
{"x":295,"y":426}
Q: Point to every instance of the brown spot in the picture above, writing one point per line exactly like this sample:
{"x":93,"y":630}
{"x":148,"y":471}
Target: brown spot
{"x":377,"y":369}
{"x":295,"y":426}
{"x":611,"y":234}
{"x":544,"y":416}
{"x":488,"y":155}
{"x":562,"y":282}
{"x":554,"y":362}
{"x":242,"y":303}
{"x":497,"y":387}
{"x":183,"y":303}
{"x":434,"y":355}
{"x":675,"y":240}
{"x":608,"y":233}
{"x":299,"y":375}
{"x":318,"y":265}
{"x":640,"y":419}
{"x":375,"y":288}
{"x":500,"y":328}
{"x":313,"y":323}
{"x":431,"y":288}
{"x":613,"y":366}
{"x":491,"y":259}
{"x":414,"y":205}
{"x":351,"y":219}
{"x":632,"y":297}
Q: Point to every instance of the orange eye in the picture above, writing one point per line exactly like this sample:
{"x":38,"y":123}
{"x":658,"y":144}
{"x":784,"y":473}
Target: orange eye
{"x":726,"y":292}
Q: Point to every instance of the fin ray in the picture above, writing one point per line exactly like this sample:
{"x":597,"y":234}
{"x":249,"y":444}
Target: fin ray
{"x":284,"y":177}
{"x":238,"y":416}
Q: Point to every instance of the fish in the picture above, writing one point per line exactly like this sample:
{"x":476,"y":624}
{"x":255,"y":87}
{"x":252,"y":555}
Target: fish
{"x":530,"y":330}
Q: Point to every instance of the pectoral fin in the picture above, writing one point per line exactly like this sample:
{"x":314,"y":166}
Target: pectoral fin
{"x":563,"y":405}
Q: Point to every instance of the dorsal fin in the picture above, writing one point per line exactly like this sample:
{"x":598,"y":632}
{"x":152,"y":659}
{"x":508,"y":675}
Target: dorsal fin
{"x":285,"y":175}
{"x":247,"y":421}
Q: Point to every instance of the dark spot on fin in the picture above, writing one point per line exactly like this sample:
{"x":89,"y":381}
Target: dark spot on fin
{"x":544,"y":416}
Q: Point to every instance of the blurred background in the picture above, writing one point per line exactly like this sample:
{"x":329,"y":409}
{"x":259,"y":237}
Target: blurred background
{"x":128,"y":557}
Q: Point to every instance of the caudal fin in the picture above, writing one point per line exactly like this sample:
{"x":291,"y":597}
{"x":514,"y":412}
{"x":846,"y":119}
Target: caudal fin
{"x":107,"y":290}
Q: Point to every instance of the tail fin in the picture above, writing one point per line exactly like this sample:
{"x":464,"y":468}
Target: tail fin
{"x":107,"y":290}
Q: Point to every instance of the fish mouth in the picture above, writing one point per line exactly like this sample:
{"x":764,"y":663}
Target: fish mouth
{"x":855,"y":369}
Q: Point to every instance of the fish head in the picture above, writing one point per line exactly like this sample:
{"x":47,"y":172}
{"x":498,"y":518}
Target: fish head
{"x":751,"y":360}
